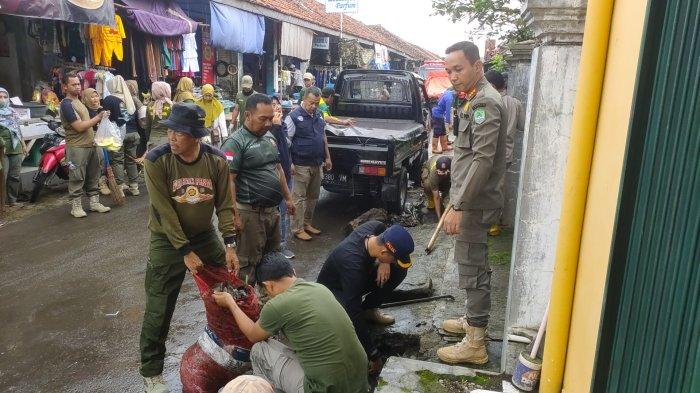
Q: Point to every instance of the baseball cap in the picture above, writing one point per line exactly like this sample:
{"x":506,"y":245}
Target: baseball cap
{"x":444,"y":163}
{"x":247,"y":81}
{"x":400,"y":243}
{"x":309,"y":75}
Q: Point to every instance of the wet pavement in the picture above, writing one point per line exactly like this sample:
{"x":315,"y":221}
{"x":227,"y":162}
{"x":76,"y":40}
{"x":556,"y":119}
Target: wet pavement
{"x":72,"y":296}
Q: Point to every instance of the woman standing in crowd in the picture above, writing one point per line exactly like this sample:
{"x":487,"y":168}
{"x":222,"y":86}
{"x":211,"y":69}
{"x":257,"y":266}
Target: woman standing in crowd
{"x":184,"y":91}
{"x":91,"y":99}
{"x":137,"y":122}
{"x":121,"y":107}
{"x":15,"y":149}
{"x":158,"y":109}
{"x":215,"y":119}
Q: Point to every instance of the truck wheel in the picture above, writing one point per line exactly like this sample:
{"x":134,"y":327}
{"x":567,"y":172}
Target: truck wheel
{"x":397,"y":206}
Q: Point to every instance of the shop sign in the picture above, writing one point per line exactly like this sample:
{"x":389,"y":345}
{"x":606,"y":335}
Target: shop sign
{"x":100,"y":12}
{"x":322,"y":43}
{"x":208,"y":58}
{"x":344,"y":6}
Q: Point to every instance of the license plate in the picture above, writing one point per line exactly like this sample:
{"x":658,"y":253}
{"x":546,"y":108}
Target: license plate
{"x":335,"y":178}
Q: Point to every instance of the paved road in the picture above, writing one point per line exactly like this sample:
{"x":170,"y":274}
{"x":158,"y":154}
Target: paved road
{"x":64,"y":279}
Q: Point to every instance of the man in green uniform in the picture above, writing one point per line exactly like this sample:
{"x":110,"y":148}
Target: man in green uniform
{"x":81,"y":152}
{"x":436,"y":181}
{"x":242,"y":97}
{"x":187,"y":182}
{"x":258,"y":184}
{"x":478,"y":168}
{"x":324,"y":353}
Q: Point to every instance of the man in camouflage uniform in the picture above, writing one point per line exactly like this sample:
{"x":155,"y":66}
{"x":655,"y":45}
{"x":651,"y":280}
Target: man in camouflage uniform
{"x":478,"y":168}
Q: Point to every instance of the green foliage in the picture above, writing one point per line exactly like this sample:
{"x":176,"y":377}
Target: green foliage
{"x":498,"y":63}
{"x":495,"y":17}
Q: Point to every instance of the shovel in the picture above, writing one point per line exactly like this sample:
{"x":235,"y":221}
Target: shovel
{"x":431,"y":244}
{"x":117,"y":194}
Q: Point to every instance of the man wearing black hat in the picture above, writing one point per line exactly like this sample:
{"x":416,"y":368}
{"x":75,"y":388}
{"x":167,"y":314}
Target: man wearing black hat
{"x":324,"y":354}
{"x":436,"y":181}
{"x":187,"y":182}
{"x":371,"y":262}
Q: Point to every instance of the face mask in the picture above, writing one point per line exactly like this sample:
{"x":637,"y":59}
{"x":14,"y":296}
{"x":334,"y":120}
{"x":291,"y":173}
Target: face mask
{"x":4,"y":103}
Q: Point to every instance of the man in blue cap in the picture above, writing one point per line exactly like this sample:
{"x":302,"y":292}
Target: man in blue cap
{"x":371,"y":262}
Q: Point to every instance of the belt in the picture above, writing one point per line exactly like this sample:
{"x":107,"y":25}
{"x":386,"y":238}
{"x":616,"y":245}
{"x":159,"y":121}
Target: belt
{"x":257,"y":208}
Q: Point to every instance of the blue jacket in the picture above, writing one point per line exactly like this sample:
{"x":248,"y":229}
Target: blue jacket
{"x":443,"y":109}
{"x":306,"y":133}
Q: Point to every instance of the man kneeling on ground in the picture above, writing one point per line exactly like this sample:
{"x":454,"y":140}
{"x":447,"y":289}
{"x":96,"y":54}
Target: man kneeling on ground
{"x":324,"y":354}
{"x":371,"y":262}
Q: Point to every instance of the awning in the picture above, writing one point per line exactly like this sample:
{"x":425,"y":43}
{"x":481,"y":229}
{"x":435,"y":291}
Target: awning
{"x":236,"y":30}
{"x":296,"y":41}
{"x":100,"y":12}
{"x":163,"y":19}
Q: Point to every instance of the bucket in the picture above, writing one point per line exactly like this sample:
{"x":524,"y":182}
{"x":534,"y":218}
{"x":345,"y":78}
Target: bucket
{"x":527,"y":372}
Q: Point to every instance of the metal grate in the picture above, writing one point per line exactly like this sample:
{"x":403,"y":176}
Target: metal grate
{"x":651,"y":322}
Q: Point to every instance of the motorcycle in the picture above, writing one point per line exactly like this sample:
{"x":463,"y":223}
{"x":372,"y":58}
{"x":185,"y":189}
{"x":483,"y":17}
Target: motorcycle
{"x":52,"y":163}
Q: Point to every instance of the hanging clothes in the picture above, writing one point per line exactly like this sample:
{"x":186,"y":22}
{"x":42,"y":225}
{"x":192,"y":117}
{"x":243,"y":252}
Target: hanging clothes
{"x":151,"y":59}
{"x":190,"y":61}
{"x":166,"y":56}
{"x":107,"y":41}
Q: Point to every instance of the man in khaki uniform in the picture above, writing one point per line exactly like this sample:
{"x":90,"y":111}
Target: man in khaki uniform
{"x":81,"y":152}
{"x":478,"y":168}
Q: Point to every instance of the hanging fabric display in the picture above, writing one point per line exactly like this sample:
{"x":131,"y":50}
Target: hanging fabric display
{"x":296,"y":41}
{"x":236,"y":30}
{"x":107,"y":42}
{"x":190,"y":61}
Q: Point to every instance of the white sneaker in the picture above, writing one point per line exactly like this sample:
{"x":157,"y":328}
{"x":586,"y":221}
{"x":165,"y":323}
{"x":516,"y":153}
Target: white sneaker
{"x":155,"y":385}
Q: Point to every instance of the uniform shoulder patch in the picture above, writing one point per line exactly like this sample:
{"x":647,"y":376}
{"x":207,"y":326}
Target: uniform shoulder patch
{"x":479,"y":115}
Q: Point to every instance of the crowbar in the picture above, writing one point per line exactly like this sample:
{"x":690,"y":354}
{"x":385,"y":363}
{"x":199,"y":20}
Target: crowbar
{"x":419,"y":300}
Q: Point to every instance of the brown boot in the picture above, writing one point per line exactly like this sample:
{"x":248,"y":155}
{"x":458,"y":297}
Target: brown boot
{"x":472,"y":349}
{"x":378,"y":317}
{"x":455,"y":326}
{"x":445,"y":146}
{"x":311,"y":230}
{"x":302,"y":235}
{"x":436,"y":146}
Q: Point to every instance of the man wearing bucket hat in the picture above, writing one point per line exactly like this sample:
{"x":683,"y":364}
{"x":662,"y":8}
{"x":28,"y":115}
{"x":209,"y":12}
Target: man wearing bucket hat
{"x":187,"y":183}
{"x":371,"y":262}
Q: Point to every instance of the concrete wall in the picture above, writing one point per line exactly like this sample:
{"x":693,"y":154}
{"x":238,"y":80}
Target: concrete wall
{"x":546,"y":144}
{"x":603,"y":191}
{"x":518,"y":85}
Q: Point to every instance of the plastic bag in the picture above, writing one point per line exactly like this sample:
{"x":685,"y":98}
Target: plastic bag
{"x":222,"y":352}
{"x":108,"y":135}
{"x":207,"y":367}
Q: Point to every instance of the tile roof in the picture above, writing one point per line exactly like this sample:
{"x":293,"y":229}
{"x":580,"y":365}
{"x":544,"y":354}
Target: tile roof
{"x":314,"y":12}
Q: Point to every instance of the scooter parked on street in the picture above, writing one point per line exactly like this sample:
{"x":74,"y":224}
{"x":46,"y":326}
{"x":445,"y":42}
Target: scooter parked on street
{"x":52,"y":163}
